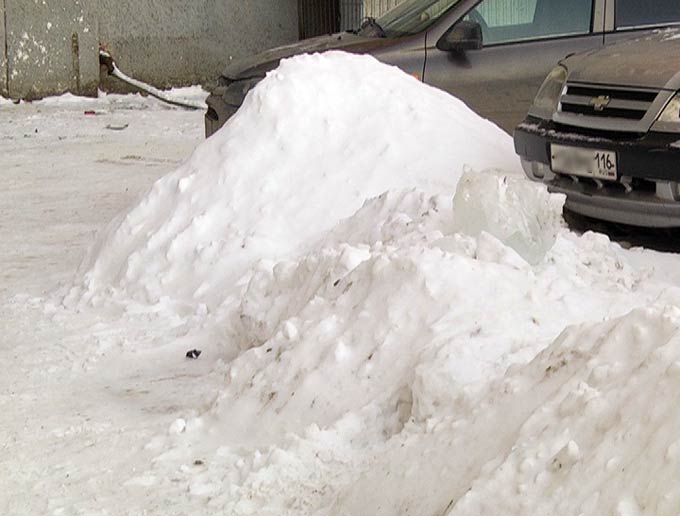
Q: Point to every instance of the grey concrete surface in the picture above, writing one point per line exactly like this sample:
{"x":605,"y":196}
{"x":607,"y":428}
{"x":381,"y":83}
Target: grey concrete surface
{"x":158,"y":41}
{"x":174,"y":42}
{"x":245,"y":27}
{"x":3,"y":52}
{"x":52,"y":47}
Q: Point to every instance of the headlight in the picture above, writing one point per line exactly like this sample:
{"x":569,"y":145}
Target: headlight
{"x":669,"y":119}
{"x":671,"y":113}
{"x":548,"y":96}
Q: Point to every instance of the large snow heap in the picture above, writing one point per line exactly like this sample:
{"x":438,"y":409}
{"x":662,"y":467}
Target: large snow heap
{"x":312,"y":142}
{"x":390,"y":309}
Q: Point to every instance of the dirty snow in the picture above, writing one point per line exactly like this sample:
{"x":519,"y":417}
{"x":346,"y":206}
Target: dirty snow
{"x":392,"y":321}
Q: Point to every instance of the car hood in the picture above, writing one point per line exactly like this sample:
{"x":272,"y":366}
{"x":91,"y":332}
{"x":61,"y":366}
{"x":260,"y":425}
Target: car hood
{"x":648,"y":62}
{"x":257,"y":65}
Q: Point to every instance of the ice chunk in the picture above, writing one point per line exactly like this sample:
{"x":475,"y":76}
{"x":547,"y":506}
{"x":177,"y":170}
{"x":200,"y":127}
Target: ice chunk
{"x":522,"y":214}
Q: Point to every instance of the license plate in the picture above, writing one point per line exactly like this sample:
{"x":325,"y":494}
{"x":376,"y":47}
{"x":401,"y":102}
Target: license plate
{"x":599,"y":164}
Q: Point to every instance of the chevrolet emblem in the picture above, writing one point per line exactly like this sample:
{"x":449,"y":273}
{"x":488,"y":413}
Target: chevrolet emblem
{"x":601,"y":102}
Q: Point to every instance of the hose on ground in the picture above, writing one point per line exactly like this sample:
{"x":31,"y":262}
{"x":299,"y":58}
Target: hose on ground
{"x":107,"y":60}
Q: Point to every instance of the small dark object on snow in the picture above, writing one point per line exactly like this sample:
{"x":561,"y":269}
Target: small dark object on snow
{"x":117,"y":127}
{"x":194,"y":353}
{"x":90,"y":113}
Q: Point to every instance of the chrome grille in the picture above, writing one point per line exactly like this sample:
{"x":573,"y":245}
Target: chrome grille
{"x":607,"y":102}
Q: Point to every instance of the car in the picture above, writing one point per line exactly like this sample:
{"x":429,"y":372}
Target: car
{"x":493,"y":54}
{"x":604,"y":130}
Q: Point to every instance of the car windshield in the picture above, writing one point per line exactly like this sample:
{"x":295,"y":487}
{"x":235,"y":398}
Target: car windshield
{"x":413,"y":16}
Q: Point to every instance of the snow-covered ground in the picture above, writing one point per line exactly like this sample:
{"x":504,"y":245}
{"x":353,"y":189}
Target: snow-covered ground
{"x":391,"y":319}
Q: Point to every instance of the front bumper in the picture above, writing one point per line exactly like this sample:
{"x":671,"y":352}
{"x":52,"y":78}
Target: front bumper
{"x":218,"y":113}
{"x":225,"y":100}
{"x":647,"y":192}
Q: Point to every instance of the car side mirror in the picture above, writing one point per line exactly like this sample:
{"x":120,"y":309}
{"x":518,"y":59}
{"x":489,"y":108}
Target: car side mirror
{"x":464,"y":35}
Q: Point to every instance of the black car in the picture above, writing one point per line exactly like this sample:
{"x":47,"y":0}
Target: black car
{"x":604,"y":129}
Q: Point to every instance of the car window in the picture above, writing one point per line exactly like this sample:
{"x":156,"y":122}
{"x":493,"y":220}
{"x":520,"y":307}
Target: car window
{"x":506,"y":21}
{"x":636,"y":13}
{"x":413,"y":16}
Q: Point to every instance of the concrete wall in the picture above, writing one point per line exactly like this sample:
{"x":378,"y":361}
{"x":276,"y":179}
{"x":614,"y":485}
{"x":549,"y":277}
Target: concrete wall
{"x":168,"y":42}
{"x":51,"y":47}
{"x":244,"y":27}
{"x":53,"y":44}
{"x":3,"y":52}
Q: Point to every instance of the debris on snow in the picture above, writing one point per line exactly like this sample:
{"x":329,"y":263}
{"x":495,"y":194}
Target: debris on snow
{"x":194,"y":354}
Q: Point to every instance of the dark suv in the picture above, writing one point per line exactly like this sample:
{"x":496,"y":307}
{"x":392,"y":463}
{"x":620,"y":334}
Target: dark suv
{"x":604,"y":128}
{"x":493,"y":54}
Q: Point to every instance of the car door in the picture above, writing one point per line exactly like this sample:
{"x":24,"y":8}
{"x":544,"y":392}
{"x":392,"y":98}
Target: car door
{"x":522,"y":41}
{"x":627,"y":19}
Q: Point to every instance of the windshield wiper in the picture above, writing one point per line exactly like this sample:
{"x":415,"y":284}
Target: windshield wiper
{"x":370,"y":27}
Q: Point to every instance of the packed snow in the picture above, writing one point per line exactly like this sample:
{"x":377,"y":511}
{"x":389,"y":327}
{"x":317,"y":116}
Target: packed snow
{"x":300,"y":155}
{"x":391,"y":319}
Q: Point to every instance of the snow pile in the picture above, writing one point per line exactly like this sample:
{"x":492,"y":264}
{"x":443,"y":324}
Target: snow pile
{"x":312,"y":141}
{"x":588,"y":427}
{"x":389,"y":362}
{"x":398,"y":362}
{"x":400,"y":336}
{"x":366,"y":306}
{"x":609,"y":392}
{"x":379,"y":350}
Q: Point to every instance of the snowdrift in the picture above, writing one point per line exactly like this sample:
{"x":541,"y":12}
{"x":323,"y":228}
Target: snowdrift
{"x":587,"y":427}
{"x":312,"y":142}
{"x":406,"y":330}
{"x":399,"y":352}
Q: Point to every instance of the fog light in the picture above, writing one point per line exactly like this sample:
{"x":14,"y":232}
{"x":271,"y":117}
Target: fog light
{"x":538,"y":170}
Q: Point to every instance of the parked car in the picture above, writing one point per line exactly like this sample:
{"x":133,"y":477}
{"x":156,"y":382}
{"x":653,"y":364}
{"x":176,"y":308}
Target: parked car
{"x":604,"y":129}
{"x":493,"y":54}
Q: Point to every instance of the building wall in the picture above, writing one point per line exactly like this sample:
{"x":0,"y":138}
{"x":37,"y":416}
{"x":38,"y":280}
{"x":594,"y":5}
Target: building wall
{"x":52,"y":45}
{"x":3,"y":53}
{"x":169,"y":42}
